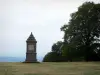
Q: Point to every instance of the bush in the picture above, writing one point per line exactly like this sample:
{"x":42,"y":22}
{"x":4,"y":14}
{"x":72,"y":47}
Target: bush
{"x":52,"y":57}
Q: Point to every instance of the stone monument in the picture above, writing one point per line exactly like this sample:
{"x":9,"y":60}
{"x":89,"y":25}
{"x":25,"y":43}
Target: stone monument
{"x":31,"y":49}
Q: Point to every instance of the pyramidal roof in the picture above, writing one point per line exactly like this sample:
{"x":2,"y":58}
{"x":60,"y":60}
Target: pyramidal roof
{"x":31,"y":38}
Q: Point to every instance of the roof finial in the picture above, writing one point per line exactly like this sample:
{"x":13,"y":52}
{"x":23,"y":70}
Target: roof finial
{"x":31,"y":33}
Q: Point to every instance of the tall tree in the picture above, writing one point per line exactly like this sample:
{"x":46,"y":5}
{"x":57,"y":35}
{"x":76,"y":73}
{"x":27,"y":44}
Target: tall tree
{"x":83,"y":30}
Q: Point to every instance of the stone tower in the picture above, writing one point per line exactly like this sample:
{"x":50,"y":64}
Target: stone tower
{"x":31,"y":49}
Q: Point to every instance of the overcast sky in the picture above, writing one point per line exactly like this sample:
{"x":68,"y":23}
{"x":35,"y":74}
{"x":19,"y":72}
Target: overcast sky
{"x":18,"y":18}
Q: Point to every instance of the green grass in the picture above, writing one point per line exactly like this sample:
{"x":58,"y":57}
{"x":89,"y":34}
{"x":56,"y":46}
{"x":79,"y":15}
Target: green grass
{"x":50,"y":68}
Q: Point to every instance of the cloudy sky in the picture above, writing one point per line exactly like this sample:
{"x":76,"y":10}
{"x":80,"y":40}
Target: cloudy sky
{"x":18,"y":18}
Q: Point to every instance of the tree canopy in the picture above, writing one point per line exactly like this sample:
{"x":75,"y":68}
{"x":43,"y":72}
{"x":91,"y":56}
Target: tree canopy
{"x":81,"y":36}
{"x":82,"y":32}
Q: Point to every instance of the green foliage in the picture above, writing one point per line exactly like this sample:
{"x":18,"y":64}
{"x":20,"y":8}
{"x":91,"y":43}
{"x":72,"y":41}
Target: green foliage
{"x":71,"y":53}
{"x":81,"y":36}
{"x":82,"y":33}
{"x":57,"y":47}
{"x":51,"y":57}
{"x":56,"y":54}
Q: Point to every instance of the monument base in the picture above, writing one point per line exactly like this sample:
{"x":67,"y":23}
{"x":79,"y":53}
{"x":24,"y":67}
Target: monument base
{"x":31,"y":62}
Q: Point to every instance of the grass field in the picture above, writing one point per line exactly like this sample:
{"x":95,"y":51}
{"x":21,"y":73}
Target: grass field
{"x":61,"y":68}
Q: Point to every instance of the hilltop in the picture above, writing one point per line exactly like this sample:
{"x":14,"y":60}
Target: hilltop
{"x":50,"y":68}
